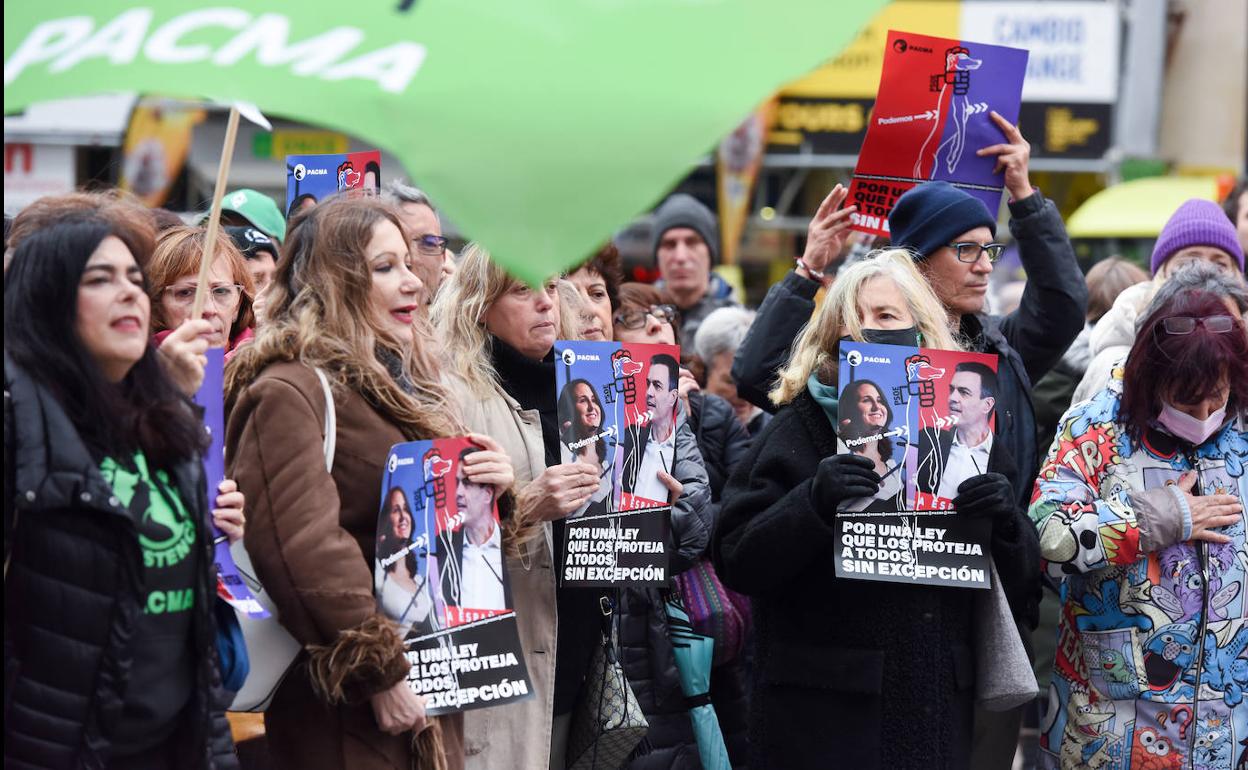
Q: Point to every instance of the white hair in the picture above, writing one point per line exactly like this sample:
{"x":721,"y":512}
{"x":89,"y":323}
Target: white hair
{"x":722,"y":331}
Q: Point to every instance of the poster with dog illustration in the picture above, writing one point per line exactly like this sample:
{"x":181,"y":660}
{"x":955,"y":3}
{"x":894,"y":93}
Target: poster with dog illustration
{"x":312,"y":178}
{"x":926,"y":419}
{"x":440,"y":574}
{"x":618,"y":408}
{"x":931,"y":115}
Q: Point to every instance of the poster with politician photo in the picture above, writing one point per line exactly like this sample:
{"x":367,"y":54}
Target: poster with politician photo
{"x":926,"y":419}
{"x":618,"y":408}
{"x":440,"y":574}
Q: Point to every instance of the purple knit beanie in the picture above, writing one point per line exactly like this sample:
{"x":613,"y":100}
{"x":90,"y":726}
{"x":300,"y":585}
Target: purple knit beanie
{"x":1197,"y":223}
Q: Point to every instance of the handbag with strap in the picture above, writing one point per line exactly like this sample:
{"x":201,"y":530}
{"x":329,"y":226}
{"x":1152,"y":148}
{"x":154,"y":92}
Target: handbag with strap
{"x":714,"y":610}
{"x":607,"y":723}
{"x":270,"y":647}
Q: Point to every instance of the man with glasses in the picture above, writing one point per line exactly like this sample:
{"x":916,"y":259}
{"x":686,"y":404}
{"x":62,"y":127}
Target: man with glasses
{"x":953,"y":238}
{"x":432,"y":261}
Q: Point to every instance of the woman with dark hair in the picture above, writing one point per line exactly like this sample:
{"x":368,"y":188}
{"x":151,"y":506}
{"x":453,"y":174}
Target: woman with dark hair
{"x":109,"y":620}
{"x":865,"y":419}
{"x":399,"y":586}
{"x":581,"y":437}
{"x":1140,"y":508}
{"x":598,"y":281}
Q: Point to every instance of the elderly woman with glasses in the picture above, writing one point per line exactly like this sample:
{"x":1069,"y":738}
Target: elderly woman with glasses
{"x":173,"y":277}
{"x":1140,"y":508}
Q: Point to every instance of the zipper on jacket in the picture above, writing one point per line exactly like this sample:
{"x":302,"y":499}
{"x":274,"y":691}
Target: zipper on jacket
{"x":1202,"y":553}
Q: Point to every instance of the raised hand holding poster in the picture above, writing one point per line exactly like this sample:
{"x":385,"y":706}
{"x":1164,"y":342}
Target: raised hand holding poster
{"x":926,"y":419}
{"x":618,"y":410}
{"x":312,"y":178}
{"x":440,"y":573}
{"x":931,"y":115}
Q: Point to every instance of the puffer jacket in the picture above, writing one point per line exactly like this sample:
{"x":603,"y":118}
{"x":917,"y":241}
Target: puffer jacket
{"x":1112,"y":338}
{"x":645,"y":646}
{"x":1152,"y":651}
{"x":70,"y":611}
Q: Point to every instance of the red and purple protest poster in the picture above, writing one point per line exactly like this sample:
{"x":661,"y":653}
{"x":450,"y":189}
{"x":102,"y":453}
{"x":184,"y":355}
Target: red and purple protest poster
{"x":312,"y":178}
{"x":927,"y":419}
{"x":930,"y":118}
{"x":441,"y":575}
{"x":618,"y":406}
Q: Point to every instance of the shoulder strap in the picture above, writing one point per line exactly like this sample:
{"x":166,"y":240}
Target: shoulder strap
{"x":331,"y":421}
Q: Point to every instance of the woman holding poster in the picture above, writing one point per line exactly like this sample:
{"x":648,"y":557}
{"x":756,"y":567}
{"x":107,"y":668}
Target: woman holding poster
{"x":501,"y":334}
{"x":346,"y":303}
{"x":882,"y":671}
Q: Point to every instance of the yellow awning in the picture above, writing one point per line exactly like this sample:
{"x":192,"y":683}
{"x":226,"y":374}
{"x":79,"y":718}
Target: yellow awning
{"x":1139,"y":208}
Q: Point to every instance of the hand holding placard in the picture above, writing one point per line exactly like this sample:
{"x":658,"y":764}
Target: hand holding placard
{"x":1012,"y":158}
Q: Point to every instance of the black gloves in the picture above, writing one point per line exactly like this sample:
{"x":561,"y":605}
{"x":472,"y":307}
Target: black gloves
{"x":840,"y":478}
{"x":988,"y":495}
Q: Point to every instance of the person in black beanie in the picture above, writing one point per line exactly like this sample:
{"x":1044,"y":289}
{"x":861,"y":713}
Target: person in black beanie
{"x":951,"y":236}
{"x":685,"y":245}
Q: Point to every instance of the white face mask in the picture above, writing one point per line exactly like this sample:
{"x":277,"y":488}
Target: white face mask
{"x":1182,"y":425}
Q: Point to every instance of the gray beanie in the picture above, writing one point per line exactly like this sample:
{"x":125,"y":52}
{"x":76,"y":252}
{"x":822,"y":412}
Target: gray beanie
{"x":681,"y":210}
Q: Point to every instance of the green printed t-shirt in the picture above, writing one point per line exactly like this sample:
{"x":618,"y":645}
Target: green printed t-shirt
{"x":162,"y":668}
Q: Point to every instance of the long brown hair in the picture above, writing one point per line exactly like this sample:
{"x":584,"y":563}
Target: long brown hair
{"x":318,"y":312}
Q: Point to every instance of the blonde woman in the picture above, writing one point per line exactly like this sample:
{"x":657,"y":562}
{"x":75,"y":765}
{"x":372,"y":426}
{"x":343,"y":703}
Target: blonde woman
{"x":500,"y":336}
{"x":879,"y":673}
{"x":344,"y":302}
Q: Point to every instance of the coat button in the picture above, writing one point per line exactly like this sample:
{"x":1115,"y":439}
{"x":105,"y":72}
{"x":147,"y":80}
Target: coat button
{"x":30,"y":496}
{"x":113,"y":501}
{"x":85,"y":497}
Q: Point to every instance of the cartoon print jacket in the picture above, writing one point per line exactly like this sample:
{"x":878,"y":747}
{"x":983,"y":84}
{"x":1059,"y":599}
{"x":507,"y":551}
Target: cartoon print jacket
{"x":1152,"y":651}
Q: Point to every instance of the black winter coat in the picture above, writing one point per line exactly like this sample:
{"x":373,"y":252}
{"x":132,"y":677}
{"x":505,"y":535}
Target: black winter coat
{"x":724,"y":443}
{"x":847,"y":673}
{"x":1029,"y":341}
{"x":73,"y":554}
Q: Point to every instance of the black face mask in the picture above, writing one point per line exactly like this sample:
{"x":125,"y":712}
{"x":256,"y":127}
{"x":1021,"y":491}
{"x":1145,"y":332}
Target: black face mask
{"x":908,"y":337}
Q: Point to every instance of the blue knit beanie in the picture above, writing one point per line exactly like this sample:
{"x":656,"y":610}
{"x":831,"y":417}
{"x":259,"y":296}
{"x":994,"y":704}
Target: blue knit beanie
{"x":933,"y":214}
{"x":1197,"y":223}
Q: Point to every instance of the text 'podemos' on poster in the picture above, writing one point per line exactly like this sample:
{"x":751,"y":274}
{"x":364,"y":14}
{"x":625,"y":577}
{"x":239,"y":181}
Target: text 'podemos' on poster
{"x":618,"y":410}
{"x":441,"y":574}
{"x":930,"y":117}
{"x":926,"y":419}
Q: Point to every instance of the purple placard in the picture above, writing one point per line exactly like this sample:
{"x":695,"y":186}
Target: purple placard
{"x":211,"y":396}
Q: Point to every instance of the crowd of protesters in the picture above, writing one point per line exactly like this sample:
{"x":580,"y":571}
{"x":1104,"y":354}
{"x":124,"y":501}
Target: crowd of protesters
{"x":1117,"y":466}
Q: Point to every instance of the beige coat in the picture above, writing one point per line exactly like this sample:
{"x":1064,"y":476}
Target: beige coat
{"x":518,"y":735}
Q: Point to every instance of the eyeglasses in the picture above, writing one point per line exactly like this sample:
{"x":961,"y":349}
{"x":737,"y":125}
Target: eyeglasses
{"x":224,"y":297}
{"x":635,"y":319}
{"x":969,"y":251}
{"x":1181,"y":324}
{"x":431,"y":245}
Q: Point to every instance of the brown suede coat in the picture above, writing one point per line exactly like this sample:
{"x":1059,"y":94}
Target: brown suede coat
{"x":311,"y":536}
